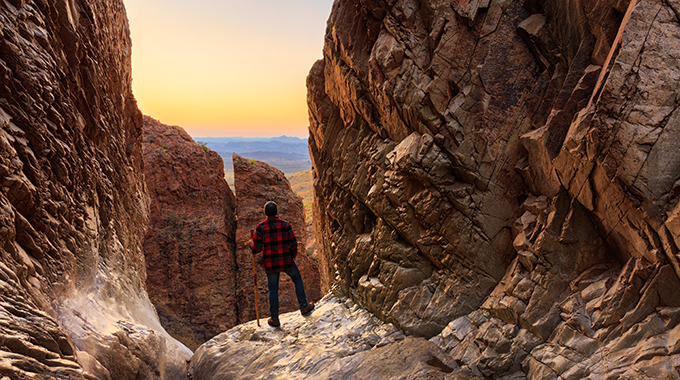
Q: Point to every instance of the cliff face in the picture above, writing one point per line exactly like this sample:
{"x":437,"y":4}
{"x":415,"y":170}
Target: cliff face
{"x":502,"y":175}
{"x":189,"y":245}
{"x":256,"y":183}
{"x":74,"y":205}
{"x":416,"y":114}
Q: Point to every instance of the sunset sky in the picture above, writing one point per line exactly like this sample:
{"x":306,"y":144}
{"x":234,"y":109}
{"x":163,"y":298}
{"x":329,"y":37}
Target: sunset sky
{"x":226,"y":67}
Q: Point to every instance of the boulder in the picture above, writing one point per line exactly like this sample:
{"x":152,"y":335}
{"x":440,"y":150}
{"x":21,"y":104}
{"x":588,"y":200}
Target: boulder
{"x":339,"y":340}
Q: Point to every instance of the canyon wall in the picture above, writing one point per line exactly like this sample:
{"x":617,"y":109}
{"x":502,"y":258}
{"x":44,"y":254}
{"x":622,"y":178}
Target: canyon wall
{"x":189,"y":246}
{"x":502,"y":176}
{"x":256,"y":183}
{"x":73,"y":205}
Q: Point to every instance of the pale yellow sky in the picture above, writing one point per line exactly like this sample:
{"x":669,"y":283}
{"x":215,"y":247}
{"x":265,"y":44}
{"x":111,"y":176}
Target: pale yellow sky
{"x":226,"y":67}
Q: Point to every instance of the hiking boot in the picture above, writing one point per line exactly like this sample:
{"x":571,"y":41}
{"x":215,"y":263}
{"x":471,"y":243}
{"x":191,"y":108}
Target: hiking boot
{"x":273,"y":322}
{"x":307,"y":309}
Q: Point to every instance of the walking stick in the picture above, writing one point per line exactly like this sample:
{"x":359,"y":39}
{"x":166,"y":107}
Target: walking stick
{"x":257,"y":310}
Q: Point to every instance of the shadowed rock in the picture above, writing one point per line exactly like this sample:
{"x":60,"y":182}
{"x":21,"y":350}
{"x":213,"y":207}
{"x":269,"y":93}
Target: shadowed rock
{"x":189,"y":246}
{"x":502,"y":176}
{"x":73,"y":205}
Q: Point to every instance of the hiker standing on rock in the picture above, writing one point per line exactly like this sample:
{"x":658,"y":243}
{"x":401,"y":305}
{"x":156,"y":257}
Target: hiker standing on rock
{"x":274,"y":237}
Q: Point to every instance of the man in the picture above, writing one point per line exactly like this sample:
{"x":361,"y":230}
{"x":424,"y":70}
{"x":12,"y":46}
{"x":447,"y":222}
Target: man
{"x":274,"y":237}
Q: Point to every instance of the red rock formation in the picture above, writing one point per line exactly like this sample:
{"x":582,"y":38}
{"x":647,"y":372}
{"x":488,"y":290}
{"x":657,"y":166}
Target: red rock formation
{"x":503,"y":175}
{"x":256,"y":183}
{"x":73,"y":205}
{"x":189,"y":245}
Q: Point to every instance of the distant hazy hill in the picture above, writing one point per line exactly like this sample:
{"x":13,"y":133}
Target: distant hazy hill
{"x":302,"y":184}
{"x":289,"y":154}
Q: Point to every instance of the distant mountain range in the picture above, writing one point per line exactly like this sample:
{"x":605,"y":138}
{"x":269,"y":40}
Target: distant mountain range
{"x":288,"y":154}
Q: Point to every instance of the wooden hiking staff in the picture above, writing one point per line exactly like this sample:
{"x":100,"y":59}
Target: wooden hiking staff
{"x":257,"y":310}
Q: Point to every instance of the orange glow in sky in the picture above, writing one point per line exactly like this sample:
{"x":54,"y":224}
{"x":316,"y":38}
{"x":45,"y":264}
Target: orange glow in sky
{"x":226,"y":67}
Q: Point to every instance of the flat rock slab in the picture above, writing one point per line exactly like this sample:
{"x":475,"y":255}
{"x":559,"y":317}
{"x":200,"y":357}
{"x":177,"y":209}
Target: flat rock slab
{"x":339,"y":340}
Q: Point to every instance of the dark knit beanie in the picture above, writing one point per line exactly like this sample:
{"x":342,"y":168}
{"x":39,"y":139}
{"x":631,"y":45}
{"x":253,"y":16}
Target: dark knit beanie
{"x":270,"y":209}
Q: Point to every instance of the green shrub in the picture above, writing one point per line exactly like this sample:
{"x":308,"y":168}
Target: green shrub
{"x":204,"y":145}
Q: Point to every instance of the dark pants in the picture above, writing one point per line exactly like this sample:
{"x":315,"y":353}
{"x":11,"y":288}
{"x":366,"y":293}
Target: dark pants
{"x":273,"y":284}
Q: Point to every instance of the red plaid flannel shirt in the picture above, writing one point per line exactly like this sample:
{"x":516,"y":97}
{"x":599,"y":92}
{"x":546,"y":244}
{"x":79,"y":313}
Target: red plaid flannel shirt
{"x":274,"y":237}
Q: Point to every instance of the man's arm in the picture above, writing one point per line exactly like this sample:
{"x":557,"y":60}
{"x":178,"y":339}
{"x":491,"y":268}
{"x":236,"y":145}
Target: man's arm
{"x":292,"y":242}
{"x":256,"y":245}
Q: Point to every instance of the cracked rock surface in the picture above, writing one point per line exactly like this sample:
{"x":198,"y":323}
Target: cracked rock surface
{"x":339,"y":340}
{"x":501,"y":177}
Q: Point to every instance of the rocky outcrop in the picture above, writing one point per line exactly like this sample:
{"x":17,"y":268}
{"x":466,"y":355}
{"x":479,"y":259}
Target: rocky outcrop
{"x":416,"y":143}
{"x":257,"y":183}
{"x":73,"y":206}
{"x":558,"y":313}
{"x":501,"y":177}
{"x":189,"y":246}
{"x":339,"y":340}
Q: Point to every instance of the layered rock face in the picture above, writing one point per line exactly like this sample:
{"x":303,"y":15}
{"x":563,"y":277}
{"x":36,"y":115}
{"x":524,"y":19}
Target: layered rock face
{"x":502,"y":176}
{"x":257,"y":183}
{"x":189,"y":246}
{"x":73,"y":203}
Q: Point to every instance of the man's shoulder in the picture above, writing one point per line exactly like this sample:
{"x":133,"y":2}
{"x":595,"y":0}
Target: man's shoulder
{"x":282,"y":223}
{"x":263,"y":225}
{"x":274,"y":221}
